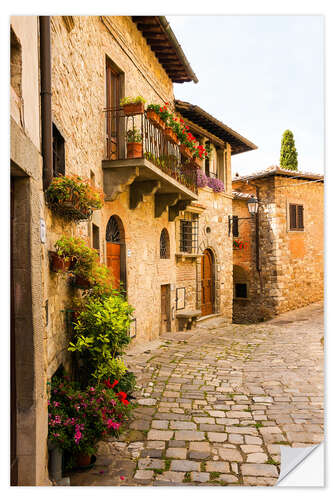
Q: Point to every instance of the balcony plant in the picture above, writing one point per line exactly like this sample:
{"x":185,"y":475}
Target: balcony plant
{"x":59,"y":263}
{"x":73,"y":197}
{"x":216,"y":184}
{"x":134,"y":143}
{"x":133,"y":105}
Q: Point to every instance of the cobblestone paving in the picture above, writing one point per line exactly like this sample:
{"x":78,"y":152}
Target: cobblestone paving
{"x":214,"y":405}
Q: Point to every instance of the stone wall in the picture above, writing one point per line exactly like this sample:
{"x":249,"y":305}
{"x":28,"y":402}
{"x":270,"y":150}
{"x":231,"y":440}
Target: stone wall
{"x":290,"y":262}
{"x":79,"y":51}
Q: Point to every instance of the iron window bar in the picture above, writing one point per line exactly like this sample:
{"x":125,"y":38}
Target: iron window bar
{"x":188,"y":237}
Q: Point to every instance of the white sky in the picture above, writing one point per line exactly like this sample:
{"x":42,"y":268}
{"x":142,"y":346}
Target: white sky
{"x":260,"y":75}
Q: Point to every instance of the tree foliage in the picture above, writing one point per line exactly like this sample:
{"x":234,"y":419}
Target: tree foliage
{"x":288,"y":153}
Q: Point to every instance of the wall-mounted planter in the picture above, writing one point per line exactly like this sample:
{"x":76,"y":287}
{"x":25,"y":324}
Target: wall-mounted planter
{"x":59,"y":264}
{"x":79,"y":282}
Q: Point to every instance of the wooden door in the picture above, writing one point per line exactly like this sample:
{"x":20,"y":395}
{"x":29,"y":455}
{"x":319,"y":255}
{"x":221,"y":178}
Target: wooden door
{"x":207,"y":284}
{"x":165,"y":308}
{"x":112,"y":115}
{"x":113,"y":261}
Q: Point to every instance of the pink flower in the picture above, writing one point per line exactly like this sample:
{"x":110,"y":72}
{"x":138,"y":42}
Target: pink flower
{"x":77,"y":437}
{"x":56,"y":403}
{"x":55,"y":434}
{"x":122,"y":478}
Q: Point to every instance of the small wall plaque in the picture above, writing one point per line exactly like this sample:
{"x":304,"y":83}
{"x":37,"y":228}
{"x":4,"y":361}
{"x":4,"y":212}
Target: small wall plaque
{"x":42,"y":231}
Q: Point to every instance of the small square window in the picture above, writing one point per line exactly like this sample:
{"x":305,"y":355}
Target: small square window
{"x":241,"y":291}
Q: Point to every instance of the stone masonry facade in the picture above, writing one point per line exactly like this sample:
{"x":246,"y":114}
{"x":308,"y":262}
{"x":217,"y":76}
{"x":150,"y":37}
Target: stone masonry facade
{"x":290,"y":261}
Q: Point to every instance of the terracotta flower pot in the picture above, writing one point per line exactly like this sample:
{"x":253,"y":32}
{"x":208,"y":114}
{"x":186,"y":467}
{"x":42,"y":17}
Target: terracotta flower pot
{"x":170,"y":135}
{"x":83,"y":460}
{"x":80,"y":282}
{"x":134,"y":150}
{"x":185,"y":151}
{"x":153,"y":117}
{"x":134,"y":108}
{"x":162,"y":124}
{"x":58,"y":263}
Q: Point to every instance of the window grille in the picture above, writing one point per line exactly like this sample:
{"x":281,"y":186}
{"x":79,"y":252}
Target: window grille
{"x":189,"y":233}
{"x":112,"y":231}
{"x":164,"y":244}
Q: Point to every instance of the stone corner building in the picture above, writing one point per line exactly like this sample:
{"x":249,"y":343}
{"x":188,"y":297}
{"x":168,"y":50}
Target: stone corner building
{"x":166,"y":239}
{"x":281,"y":266}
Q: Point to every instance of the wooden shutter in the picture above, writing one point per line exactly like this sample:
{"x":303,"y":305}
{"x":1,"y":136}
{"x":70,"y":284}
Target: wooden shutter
{"x":292,"y":217}
{"x":300,"y":216}
{"x":235,"y":225}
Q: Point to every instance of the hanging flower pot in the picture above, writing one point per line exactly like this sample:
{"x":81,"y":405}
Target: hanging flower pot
{"x":57,"y":263}
{"x":134,"y":108}
{"x":79,"y":282}
{"x":185,"y":151}
{"x":134,"y":150}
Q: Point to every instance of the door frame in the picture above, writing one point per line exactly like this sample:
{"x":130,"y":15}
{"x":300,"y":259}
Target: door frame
{"x":213,"y":288}
{"x":168,"y":307}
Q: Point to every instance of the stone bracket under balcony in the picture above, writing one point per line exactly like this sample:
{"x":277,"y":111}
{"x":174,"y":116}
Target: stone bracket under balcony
{"x":178,"y":207}
{"x":118,"y":174}
{"x":140,"y":189}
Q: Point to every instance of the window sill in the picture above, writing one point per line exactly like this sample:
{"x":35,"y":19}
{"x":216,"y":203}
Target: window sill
{"x":183,"y":255}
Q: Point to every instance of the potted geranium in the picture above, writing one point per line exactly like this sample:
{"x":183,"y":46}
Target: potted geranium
{"x":134,"y":144}
{"x":133,"y":105}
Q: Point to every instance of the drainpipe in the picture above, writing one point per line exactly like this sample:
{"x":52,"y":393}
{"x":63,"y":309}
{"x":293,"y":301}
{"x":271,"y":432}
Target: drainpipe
{"x":46,"y":99}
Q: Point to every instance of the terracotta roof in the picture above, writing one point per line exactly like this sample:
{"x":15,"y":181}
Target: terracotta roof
{"x":162,"y":40}
{"x":278,"y":171}
{"x":197,"y":115}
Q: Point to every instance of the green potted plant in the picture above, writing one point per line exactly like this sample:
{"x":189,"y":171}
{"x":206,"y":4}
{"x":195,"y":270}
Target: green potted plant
{"x":59,"y":263}
{"x":82,"y":256}
{"x":133,"y":105}
{"x":73,"y":197}
{"x":134,"y":143}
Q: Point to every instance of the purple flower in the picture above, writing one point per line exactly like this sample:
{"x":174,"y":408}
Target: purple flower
{"x":215,"y":184}
{"x":201,"y":178}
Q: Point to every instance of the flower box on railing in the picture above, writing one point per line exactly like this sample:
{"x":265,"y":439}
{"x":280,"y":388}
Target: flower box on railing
{"x":153,"y":117}
{"x":134,"y":108}
{"x":170,"y":135}
{"x":185,"y":151}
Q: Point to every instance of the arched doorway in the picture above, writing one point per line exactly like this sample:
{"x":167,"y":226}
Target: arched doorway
{"x":207,"y":283}
{"x":116,"y":251}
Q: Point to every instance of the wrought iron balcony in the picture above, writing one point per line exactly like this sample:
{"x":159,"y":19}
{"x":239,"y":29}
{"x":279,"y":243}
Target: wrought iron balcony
{"x":140,"y":154}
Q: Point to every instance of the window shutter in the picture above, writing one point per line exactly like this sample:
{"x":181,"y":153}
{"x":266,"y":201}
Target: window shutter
{"x":292,"y":217}
{"x":300,"y":216}
{"x":235,"y":225}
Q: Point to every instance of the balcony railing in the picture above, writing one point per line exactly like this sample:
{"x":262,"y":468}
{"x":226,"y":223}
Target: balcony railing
{"x":152,"y":144}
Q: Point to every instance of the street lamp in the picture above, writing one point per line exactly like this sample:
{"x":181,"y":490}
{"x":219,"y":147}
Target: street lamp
{"x":252,"y":205}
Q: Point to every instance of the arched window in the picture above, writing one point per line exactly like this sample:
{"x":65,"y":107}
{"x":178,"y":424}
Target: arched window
{"x":164,"y":245}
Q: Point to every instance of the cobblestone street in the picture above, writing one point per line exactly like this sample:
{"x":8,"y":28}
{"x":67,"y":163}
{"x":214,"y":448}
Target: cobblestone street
{"x":214,"y":404}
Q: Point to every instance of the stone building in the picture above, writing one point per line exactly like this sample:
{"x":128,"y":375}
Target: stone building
{"x":164,"y":238}
{"x":27,"y":363}
{"x":278,"y":260}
